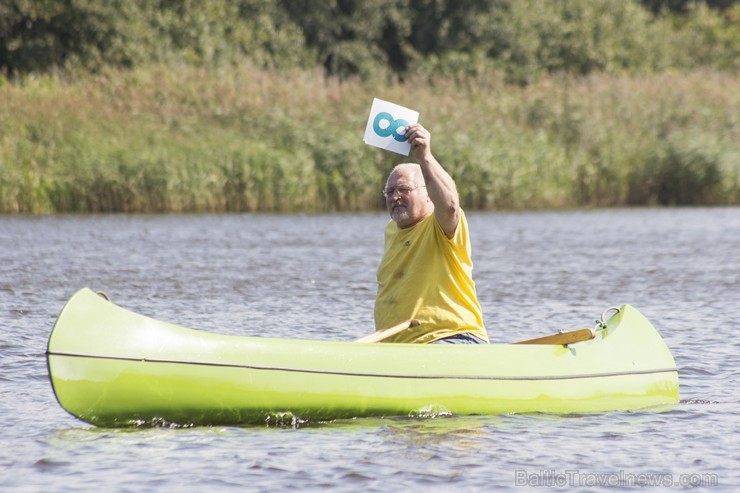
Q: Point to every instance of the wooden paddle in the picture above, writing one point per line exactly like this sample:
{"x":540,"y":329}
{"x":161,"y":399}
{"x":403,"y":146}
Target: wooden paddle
{"x":563,"y":337}
{"x":379,"y":335}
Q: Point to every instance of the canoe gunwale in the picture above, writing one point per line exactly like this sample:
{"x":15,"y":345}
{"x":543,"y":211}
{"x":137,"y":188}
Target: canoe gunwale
{"x":372,"y":375}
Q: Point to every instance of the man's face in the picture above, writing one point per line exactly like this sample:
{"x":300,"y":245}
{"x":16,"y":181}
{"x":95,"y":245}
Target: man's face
{"x":408,"y":201}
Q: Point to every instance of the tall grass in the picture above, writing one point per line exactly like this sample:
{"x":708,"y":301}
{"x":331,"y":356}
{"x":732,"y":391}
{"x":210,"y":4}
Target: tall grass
{"x":177,"y":139}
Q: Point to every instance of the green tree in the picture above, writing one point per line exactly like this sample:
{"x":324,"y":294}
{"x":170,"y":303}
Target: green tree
{"x":40,"y":35}
{"x":353,"y":37}
{"x":682,"y":6}
{"x":357,"y":38}
{"x":37,"y":36}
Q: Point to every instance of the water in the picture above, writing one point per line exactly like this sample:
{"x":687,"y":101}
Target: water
{"x":312,"y":277}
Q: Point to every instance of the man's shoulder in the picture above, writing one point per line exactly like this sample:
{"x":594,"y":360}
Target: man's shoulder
{"x":462,"y":225}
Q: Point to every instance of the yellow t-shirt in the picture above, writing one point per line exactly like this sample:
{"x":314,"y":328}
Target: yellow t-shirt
{"x":426,"y":276}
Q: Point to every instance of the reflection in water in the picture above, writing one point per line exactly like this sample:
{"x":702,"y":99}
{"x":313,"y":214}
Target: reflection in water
{"x":449,"y":433}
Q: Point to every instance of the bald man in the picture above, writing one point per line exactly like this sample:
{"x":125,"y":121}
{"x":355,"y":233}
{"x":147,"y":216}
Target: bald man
{"x":426,"y":269}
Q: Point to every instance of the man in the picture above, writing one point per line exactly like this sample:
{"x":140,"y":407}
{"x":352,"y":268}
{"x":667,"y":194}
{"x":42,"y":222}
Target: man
{"x":426,"y":270}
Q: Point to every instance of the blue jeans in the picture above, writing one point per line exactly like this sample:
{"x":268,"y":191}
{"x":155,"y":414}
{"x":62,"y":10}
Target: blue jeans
{"x":464,"y":338}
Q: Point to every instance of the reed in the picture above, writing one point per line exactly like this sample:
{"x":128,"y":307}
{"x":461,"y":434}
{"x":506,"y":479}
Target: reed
{"x":177,"y":138}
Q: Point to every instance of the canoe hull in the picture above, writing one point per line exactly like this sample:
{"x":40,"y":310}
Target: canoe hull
{"x":112,"y":367}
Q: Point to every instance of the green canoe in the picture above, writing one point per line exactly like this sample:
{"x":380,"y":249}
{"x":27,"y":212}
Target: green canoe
{"x":112,"y":367}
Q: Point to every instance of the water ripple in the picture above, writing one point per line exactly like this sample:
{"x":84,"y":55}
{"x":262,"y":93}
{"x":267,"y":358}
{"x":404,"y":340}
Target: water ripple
{"x":314,"y":277}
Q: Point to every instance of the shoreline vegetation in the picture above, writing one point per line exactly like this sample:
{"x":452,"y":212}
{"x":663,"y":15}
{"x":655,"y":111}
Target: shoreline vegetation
{"x":174,"y":136}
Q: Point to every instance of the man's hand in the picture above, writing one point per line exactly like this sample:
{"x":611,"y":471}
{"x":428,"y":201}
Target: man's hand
{"x":420,"y":140}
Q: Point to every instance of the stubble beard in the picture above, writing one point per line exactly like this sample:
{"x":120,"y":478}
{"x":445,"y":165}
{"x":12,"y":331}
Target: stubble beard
{"x":400,"y":214}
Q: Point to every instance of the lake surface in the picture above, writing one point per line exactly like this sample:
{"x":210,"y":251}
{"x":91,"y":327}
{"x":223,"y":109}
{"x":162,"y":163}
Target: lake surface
{"x":313,"y":277}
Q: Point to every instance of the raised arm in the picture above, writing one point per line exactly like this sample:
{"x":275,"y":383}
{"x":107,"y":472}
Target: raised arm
{"x":440,"y":185}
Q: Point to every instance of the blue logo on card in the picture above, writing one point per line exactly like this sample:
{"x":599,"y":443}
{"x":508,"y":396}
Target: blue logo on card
{"x":393,"y":126}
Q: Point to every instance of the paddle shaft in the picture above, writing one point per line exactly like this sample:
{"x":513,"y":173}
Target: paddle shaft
{"x":563,"y":337}
{"x":386,"y":333}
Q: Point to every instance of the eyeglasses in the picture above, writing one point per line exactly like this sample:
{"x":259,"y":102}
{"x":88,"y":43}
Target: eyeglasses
{"x":403,"y":190}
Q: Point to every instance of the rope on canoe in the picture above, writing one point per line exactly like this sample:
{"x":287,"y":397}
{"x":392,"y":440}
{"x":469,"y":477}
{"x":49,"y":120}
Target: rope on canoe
{"x":103,"y":295}
{"x":601,"y":323}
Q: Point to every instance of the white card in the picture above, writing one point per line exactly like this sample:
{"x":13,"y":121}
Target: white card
{"x":387,"y":124}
